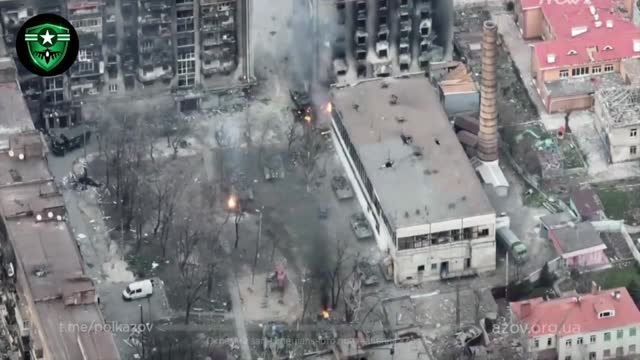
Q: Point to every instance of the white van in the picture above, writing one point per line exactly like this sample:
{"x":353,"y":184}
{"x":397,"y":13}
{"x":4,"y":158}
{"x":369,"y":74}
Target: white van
{"x":138,"y":290}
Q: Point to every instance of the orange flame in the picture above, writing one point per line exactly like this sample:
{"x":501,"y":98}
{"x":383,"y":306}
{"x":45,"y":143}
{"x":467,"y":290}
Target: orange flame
{"x":231,"y":203}
{"x":307,"y":118}
{"x":325,"y":314}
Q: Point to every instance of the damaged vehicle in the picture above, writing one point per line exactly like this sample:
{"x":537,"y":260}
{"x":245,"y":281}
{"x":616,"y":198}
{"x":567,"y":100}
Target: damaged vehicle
{"x":63,"y":141}
{"x":303,"y":107}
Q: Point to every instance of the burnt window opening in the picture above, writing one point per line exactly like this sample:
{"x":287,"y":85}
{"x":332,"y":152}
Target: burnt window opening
{"x":340,"y":6}
{"x":383,"y":53}
{"x":425,"y":31}
{"x":342,"y":72}
{"x":362,"y":6}
{"x":404,"y":2}
{"x":404,"y":67}
{"x":361,"y":55}
{"x":382,"y":19}
{"x":404,"y":50}
{"x":404,"y":34}
{"x":404,"y":17}
{"x":362,"y":40}
{"x":425,"y":14}
{"x":424,"y":47}
{"x":361,"y":23}
{"x":382,"y":36}
{"x":362,"y":71}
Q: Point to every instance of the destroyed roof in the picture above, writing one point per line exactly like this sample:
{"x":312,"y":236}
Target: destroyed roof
{"x":557,"y":219}
{"x":574,"y":30}
{"x":457,"y":81}
{"x":431,"y":179}
{"x":587,"y":202}
{"x":572,"y":316}
{"x":583,"y":85}
{"x":15,"y":115}
{"x":620,"y":106}
{"x":575,"y":237}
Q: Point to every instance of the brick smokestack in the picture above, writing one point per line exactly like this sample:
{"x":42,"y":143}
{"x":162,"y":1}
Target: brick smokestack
{"x":488,"y":134}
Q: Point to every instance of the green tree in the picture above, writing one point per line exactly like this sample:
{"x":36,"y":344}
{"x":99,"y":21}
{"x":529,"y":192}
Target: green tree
{"x":634,"y":290}
{"x":546,"y":277}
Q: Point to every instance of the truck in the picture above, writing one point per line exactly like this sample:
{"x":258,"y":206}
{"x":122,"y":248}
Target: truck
{"x":301,"y":98}
{"x":517,"y":250}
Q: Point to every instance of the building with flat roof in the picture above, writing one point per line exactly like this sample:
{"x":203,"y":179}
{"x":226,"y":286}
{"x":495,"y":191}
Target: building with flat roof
{"x":413,"y":179}
{"x":40,"y":261}
{"x":600,"y":325}
{"x":583,"y":49}
{"x":579,"y":245}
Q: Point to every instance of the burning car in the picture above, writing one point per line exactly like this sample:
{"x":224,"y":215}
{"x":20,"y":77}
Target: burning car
{"x":303,"y":107}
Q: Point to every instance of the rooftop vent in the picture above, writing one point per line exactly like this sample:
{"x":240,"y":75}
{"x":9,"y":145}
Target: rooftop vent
{"x":610,"y":24}
{"x":598,"y":24}
{"x":636,"y":45}
{"x":572,"y":52}
{"x":616,"y":295}
{"x":551,"y":58}
{"x":607,"y":48}
{"x":577,"y":30}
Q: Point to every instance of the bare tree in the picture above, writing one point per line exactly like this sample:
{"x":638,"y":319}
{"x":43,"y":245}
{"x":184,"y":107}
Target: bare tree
{"x":292,"y":135}
{"x":310,"y":151}
{"x":353,"y":296}
{"x":192,"y":284}
{"x":175,"y":129}
{"x":337,"y":274}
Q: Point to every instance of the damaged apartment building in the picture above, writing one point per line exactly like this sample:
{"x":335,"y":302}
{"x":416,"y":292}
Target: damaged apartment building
{"x":413,"y":181}
{"x":386,"y":37}
{"x":183,"y":47}
{"x":49,"y":99}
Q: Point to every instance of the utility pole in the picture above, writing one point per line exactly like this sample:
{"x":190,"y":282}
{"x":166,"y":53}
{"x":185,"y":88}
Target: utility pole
{"x":255,"y":259}
{"x":506,"y":275}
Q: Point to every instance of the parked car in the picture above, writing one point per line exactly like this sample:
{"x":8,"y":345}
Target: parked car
{"x":63,"y":141}
{"x":138,"y":290}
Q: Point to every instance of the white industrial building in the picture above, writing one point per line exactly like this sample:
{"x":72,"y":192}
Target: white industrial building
{"x":413,"y":180}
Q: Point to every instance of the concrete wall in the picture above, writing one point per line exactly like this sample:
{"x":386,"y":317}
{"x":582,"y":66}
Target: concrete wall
{"x":621,"y":141}
{"x":564,"y":104}
{"x":531,"y":23}
{"x":618,"y":226}
{"x":461,"y":103}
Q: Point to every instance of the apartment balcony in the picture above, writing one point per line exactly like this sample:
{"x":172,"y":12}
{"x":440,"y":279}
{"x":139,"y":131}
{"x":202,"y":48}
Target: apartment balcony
{"x":150,"y":74}
{"x":149,"y":19}
{"x":219,"y":66}
{"x":147,"y":31}
{"x":89,"y":68}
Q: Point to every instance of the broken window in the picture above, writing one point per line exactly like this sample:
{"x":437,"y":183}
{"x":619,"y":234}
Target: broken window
{"x":185,"y":40}
{"x":184,"y":25}
{"x":361,"y":23}
{"x":183,"y":14}
{"x":382,"y":19}
{"x":404,"y":67}
{"x":382,"y":53}
{"x":362,"y":6}
{"x":85,"y":66}
{"x":633,"y":150}
{"x":483,"y":232}
{"x":470,"y":233}
{"x":361,"y":55}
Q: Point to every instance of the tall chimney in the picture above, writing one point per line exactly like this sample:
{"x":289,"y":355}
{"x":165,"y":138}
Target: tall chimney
{"x":488,"y":134}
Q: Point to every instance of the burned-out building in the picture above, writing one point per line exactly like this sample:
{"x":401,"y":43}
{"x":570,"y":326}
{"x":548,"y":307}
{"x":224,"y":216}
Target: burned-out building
{"x":218,"y":40}
{"x":390,"y":36}
{"x":86,"y":74}
{"x":155,"y":37}
{"x":413,"y":181}
{"x":617,"y":121}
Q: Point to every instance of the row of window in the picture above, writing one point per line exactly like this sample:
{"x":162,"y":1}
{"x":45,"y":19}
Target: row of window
{"x":416,"y":242}
{"x":86,"y":22}
{"x":606,"y":353}
{"x":597,"y":69}
{"x":592,"y":339}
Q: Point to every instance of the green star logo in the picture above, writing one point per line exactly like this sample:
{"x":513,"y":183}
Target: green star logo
{"x":47,"y":45}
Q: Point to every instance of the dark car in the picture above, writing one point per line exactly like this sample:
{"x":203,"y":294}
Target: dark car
{"x":63,"y":141}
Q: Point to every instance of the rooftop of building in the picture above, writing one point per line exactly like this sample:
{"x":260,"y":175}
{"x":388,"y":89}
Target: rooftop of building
{"x":582,"y":85}
{"x":620,"y":105}
{"x":632,"y":70}
{"x":430,"y":178}
{"x":599,"y":24}
{"x":15,"y":115}
{"x":557,"y":219}
{"x":47,"y":256}
{"x":576,"y":237}
{"x":586,"y":201}
{"x":575,"y":315}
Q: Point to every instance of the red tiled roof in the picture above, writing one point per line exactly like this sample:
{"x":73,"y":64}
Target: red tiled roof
{"x":566,"y":316}
{"x":562,"y":17}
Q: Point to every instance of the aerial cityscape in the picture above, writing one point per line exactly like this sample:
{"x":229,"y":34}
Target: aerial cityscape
{"x":319,"y":179}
